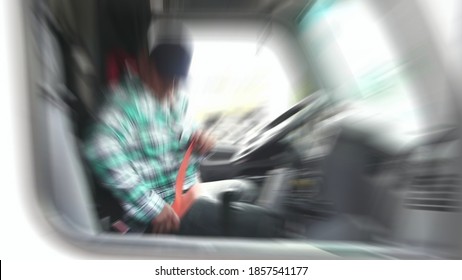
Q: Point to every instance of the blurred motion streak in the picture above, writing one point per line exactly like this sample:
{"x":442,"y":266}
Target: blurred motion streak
{"x":345,"y":115}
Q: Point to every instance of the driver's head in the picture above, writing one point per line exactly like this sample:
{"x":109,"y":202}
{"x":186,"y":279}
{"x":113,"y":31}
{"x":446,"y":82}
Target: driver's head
{"x":170,"y":49}
{"x":170,"y":53}
{"x":162,"y":47}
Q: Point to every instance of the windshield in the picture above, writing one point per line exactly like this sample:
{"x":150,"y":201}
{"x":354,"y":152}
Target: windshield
{"x":357,"y":64}
{"x":235,"y":87}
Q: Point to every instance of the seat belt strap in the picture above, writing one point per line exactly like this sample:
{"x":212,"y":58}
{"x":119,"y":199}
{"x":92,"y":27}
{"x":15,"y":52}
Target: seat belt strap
{"x":178,"y":202}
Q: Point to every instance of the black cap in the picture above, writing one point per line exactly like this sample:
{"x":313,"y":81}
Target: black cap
{"x":170,"y":48}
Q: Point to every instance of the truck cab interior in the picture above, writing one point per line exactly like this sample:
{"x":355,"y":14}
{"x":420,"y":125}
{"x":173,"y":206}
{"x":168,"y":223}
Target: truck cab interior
{"x":351,"y":131}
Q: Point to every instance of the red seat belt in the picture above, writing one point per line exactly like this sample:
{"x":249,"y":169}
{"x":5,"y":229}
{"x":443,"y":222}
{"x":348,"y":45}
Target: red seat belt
{"x":184,"y":201}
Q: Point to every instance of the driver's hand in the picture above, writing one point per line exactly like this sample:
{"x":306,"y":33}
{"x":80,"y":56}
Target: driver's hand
{"x":166,"y":222}
{"x":204,"y":142}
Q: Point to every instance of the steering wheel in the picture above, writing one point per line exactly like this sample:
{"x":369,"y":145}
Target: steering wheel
{"x":290,"y":120}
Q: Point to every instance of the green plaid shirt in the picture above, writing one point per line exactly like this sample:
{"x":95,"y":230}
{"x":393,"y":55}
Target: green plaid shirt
{"x":136,"y":148}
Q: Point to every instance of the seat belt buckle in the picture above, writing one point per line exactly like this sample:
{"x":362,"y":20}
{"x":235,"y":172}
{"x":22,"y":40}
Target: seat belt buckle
{"x":120,"y":227}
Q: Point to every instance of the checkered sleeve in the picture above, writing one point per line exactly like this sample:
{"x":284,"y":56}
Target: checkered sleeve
{"x":189,"y":128}
{"x":114,"y":168}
